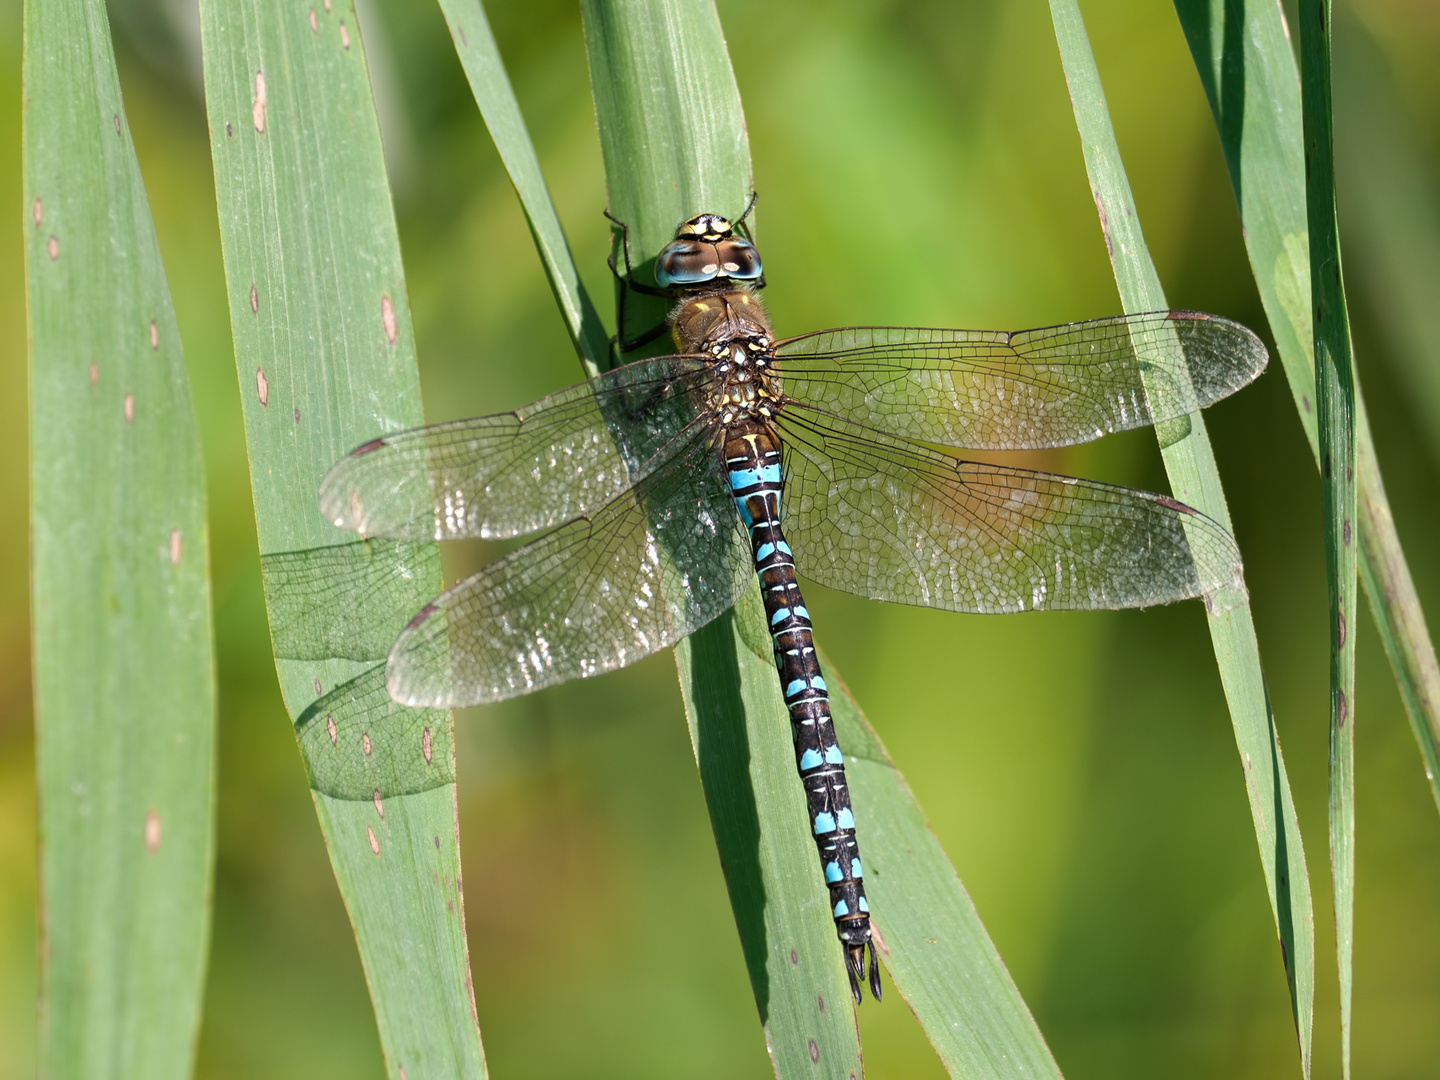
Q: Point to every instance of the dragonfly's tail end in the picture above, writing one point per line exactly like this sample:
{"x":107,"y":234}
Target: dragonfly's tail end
{"x":855,"y":968}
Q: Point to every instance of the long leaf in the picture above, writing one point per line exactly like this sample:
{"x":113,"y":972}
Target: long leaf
{"x":124,"y":680}
{"x":673,"y":137}
{"x":475,"y":45}
{"x":1190,"y":465}
{"x":1388,"y":183}
{"x":1335,"y":403}
{"x":326,"y":358}
{"x":1248,"y":70}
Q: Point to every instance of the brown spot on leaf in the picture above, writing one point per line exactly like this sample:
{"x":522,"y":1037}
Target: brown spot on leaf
{"x":1340,"y":631}
{"x":229,"y":129}
{"x":52,"y":246}
{"x":1176,"y":505}
{"x":318,"y":690}
{"x":175,"y":548}
{"x":37,"y":211}
{"x":327,"y":7}
{"x":794,"y":957}
{"x":314,"y":23}
{"x":814,"y":1051}
{"x":94,"y":373}
{"x":129,"y":408}
{"x":262,"y":386}
{"x":152,"y":831}
{"x":1342,"y":707}
{"x":154,"y":336}
{"x":379,"y":805}
{"x":332,"y":730}
{"x":374,"y":841}
{"x":297,"y":415}
{"x":117,"y":123}
{"x":820,"y":1002}
{"x":463,"y":39}
{"x":365,"y":742}
{"x":1104,"y":223}
{"x":344,"y":36}
{"x":427,"y":744}
{"x":387,"y":319}
{"x":1345,"y":533}
{"x":257,"y":109}
{"x":254,"y":300}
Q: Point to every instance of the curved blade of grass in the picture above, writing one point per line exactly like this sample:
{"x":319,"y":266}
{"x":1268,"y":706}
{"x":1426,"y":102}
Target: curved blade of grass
{"x":1335,"y":403}
{"x":933,"y":940}
{"x":326,"y":359}
{"x":475,"y":45}
{"x":673,"y":137}
{"x":1250,"y":78}
{"x":124,"y":671}
{"x":1394,"y":234}
{"x":1190,"y":465}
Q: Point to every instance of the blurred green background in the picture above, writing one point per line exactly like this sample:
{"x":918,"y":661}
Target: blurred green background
{"x":917,"y":163}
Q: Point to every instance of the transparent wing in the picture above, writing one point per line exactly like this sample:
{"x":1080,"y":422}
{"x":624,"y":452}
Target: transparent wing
{"x":512,"y":473}
{"x":995,"y":390}
{"x":896,"y":521}
{"x":654,"y":564}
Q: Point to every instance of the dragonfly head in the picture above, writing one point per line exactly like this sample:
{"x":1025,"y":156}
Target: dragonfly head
{"x":706,"y":249}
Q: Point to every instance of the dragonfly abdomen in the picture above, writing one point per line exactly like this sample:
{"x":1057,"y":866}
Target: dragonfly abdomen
{"x":752,"y":460}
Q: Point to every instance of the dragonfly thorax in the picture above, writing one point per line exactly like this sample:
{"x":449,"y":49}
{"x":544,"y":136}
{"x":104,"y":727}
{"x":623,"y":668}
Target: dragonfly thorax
{"x":722,"y":316}
{"x":730,"y":331}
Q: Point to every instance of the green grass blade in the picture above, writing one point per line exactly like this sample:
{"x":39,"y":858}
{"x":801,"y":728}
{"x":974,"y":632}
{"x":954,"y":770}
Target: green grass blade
{"x":1395,"y":240}
{"x":475,"y":45}
{"x":123,"y":664}
{"x":1393,"y":234}
{"x":1335,"y":404}
{"x":933,"y":940}
{"x":1190,"y":464}
{"x":1248,"y":70}
{"x":673,"y":137}
{"x":326,"y":357}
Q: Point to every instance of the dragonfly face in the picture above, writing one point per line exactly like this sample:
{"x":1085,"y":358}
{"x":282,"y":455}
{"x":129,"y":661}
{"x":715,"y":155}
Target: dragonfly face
{"x":706,"y":249}
{"x":662,"y":484}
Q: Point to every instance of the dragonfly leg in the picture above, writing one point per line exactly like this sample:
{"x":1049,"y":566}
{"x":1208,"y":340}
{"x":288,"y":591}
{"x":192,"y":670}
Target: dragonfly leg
{"x":620,"y":343}
{"x":740,"y":221}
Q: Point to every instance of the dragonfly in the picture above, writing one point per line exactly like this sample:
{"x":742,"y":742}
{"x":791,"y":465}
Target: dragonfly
{"x":663,"y":487}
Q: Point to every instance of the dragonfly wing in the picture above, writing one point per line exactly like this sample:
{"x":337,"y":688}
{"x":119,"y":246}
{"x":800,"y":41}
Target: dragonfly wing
{"x":654,"y":564}
{"x":897,"y":521}
{"x":997,"y":390}
{"x":512,"y":473}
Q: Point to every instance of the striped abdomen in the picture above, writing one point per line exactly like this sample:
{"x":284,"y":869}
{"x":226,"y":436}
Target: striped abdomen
{"x":752,"y":458}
